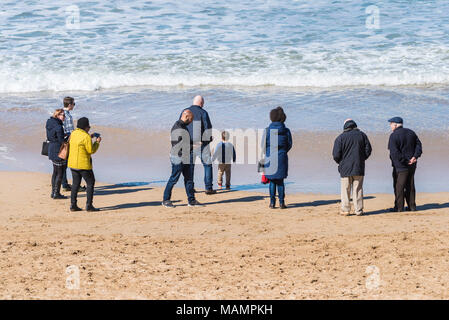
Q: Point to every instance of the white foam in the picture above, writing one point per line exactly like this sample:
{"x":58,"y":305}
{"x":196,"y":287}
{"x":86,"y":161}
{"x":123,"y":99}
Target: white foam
{"x":314,"y":67}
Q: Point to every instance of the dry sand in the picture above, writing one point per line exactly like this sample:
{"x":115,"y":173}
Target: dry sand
{"x":234,"y":248}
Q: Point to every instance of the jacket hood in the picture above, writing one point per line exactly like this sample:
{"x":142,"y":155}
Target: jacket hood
{"x":349,"y":125}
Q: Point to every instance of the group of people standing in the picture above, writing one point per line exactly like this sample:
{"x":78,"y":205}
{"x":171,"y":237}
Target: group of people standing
{"x":352,"y":148}
{"x":191,"y":137}
{"x":60,"y":129}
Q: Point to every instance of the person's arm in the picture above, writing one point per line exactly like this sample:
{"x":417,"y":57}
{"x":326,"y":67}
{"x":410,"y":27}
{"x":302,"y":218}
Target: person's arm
{"x":289,"y":140}
{"x":418,"y":148}
{"x":91,"y":148}
{"x":60,"y":134}
{"x":395,"y":152}
{"x":215,"y":156}
{"x":234,"y":155}
{"x":207,"y":125}
{"x":368,"y":148}
{"x":336,"y":152}
{"x":265,"y":140}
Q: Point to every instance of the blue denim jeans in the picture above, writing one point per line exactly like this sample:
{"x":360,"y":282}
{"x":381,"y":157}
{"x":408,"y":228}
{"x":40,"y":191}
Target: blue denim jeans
{"x":177,"y":170}
{"x":207,"y":164}
{"x":279,"y":183}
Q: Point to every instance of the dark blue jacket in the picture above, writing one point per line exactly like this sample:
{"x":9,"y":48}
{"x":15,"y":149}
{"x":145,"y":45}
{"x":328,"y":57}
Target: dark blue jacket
{"x":351,"y":149}
{"x":177,"y":128}
{"x":55,"y":134}
{"x":404,"y":144}
{"x":200,"y":120}
{"x":284,"y":145}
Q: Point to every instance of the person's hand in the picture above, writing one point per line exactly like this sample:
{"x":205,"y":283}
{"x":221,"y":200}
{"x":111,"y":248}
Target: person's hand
{"x":412,"y":161}
{"x":98,"y":139}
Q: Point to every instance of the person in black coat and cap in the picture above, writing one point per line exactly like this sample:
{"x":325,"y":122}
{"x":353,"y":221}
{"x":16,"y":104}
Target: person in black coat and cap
{"x":405,"y":149}
{"x":55,"y":135}
{"x":351,"y":149}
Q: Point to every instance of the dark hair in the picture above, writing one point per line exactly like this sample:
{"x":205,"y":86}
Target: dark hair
{"x":278,"y":115}
{"x":68,"y":101}
{"x":83,"y":123}
{"x":225,"y":135}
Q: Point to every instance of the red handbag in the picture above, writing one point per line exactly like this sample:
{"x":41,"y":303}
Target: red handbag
{"x":265,"y":179}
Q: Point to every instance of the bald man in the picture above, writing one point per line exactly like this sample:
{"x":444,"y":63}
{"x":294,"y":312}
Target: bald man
{"x":201,"y":131}
{"x":181,"y":159}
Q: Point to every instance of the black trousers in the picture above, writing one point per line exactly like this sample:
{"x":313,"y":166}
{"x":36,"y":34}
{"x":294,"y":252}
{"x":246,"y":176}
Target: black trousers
{"x":89,"y":177}
{"x":56,"y":178}
{"x":404,"y":188}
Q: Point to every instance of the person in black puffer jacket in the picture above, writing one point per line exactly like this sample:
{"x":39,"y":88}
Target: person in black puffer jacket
{"x":351,"y":149}
{"x":55,"y":135}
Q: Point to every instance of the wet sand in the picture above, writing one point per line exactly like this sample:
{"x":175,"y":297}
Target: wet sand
{"x":142,"y":155}
{"x":234,"y":248}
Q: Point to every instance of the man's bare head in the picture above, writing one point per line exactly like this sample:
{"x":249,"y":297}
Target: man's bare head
{"x":198,"y":101}
{"x":187,"y":116}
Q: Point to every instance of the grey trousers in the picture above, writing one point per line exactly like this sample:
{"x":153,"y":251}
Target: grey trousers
{"x":354,"y":184}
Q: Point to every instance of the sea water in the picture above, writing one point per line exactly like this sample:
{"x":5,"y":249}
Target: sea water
{"x":137,"y":64}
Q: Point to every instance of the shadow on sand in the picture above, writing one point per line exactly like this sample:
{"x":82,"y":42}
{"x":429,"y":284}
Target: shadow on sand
{"x":429,"y":206}
{"x":120,"y":188}
{"x":237,"y":200}
{"x":320,"y":203}
{"x":135,"y":205}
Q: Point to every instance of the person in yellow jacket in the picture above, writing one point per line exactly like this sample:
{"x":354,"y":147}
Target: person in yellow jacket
{"x":80,"y":162}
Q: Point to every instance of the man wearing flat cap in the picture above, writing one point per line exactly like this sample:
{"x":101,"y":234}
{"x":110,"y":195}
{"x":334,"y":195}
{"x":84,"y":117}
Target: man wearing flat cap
{"x":405,"y":149}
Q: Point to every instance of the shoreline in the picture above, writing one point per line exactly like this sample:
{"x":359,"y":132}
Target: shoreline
{"x":128,"y":155}
{"x":234,"y":248}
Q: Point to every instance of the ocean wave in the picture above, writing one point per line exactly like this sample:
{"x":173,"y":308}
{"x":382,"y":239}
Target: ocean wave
{"x":90,"y":81}
{"x":311,"y":67}
{"x":93,"y":45}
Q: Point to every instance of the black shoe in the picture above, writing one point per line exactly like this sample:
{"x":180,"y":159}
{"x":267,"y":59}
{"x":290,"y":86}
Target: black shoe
{"x":58,"y":196}
{"x":272,"y":206}
{"x":91,"y":209}
{"x":168,"y":204}
{"x":282,"y":206}
{"x":82,"y":189}
{"x":195,"y":204}
{"x":67,"y":188}
{"x":211,"y":191}
{"x":228,"y":187}
{"x":75,"y":208}
{"x":194,"y":191}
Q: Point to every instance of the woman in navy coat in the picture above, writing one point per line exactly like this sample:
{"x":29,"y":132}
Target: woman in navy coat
{"x":55,"y":135}
{"x":276,"y":166}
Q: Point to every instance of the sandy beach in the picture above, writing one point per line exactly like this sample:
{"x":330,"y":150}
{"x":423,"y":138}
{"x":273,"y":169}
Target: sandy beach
{"x":234,"y":248}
